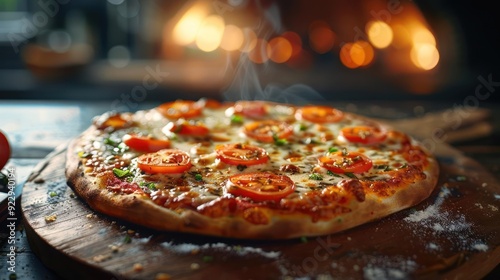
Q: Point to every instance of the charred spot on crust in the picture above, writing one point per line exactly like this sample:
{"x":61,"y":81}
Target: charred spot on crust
{"x":354,"y":187}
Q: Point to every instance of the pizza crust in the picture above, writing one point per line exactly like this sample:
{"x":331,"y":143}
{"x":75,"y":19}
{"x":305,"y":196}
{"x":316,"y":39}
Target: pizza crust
{"x":140,"y":210}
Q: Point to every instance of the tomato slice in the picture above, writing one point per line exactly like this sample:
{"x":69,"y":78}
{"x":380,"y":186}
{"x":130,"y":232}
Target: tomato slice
{"x":164,"y":161}
{"x":319,"y":114}
{"x":236,"y":154}
{"x":343,"y":162}
{"x":251,"y":109}
{"x":364,"y":134}
{"x":269,"y":130}
{"x":145,"y":144}
{"x":180,"y":109}
{"x":260,"y":186}
{"x":114,"y":120}
{"x":187,"y":128}
{"x":4,"y":150}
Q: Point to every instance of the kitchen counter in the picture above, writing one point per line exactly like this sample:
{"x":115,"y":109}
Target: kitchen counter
{"x":35,"y":128}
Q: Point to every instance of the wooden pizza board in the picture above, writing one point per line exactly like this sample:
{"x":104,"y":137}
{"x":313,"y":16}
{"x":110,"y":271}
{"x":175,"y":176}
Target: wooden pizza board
{"x":454,"y":234}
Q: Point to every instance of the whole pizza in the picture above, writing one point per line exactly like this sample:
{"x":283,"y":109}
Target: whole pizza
{"x":249,"y":169}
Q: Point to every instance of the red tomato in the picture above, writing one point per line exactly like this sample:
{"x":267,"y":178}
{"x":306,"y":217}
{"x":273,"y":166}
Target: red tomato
{"x":209,"y":103}
{"x":186,"y":128}
{"x":145,"y":144}
{"x":112,"y":120}
{"x":237,"y":154}
{"x":342,"y":162}
{"x":4,"y":150}
{"x":251,"y":109}
{"x":180,"y":109}
{"x":260,"y":186}
{"x":319,"y":114}
{"x":164,"y":161}
{"x":268,"y":131}
{"x":364,"y":134}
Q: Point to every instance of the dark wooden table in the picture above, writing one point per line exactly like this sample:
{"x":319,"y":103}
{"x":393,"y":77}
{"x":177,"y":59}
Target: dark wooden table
{"x":35,"y":128}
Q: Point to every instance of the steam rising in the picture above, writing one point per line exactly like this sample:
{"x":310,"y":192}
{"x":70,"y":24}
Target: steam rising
{"x":246,"y":84}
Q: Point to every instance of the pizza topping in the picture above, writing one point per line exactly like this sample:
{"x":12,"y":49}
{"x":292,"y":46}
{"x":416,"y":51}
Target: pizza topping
{"x":354,"y":187}
{"x":290,"y":168}
{"x":116,"y":185}
{"x":122,"y":173}
{"x":112,"y":120}
{"x":364,"y":134}
{"x":344,"y":162}
{"x":250,"y":109}
{"x":144,"y":143}
{"x":269,"y":131}
{"x":260,"y":186}
{"x":241,"y":154}
{"x":319,"y":114}
{"x":180,"y":109}
{"x":164,"y":161}
{"x":187,"y":128}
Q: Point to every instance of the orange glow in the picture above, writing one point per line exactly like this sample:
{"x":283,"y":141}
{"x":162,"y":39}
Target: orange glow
{"x":379,"y":33}
{"x":424,"y":56}
{"x":402,"y":37}
{"x":361,"y":53}
{"x":321,"y":37}
{"x":232,"y":38}
{"x":280,"y":50}
{"x":210,"y":33}
{"x":423,"y":36}
{"x":249,"y":40}
{"x":345,"y":56}
{"x":294,"y":40}
{"x":260,"y":51}
{"x":186,"y":29}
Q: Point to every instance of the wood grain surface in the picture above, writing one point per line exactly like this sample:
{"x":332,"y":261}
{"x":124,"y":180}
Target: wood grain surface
{"x":454,"y":234}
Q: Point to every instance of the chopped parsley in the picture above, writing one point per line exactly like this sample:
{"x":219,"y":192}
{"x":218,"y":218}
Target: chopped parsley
{"x":111,"y":142}
{"x":127,"y":239}
{"x":303,"y":239}
{"x":52,"y":194}
{"x":383,"y":167}
{"x":150,"y":185}
{"x":316,"y":176}
{"x":198,"y":177}
{"x":350,"y":175}
{"x":122,"y":173}
{"x":236,"y":119}
{"x":332,"y":150}
{"x":279,"y":141}
{"x":328,"y":172}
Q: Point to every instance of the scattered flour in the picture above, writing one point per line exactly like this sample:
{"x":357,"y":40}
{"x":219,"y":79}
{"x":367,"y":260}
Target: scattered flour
{"x":389,"y":268}
{"x":480,"y":247}
{"x":184,"y":248}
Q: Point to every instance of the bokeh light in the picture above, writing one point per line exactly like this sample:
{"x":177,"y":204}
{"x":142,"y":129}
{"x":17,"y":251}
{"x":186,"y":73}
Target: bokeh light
{"x":361,"y":53}
{"x":187,"y":27}
{"x":232,"y":39}
{"x":259,"y":53}
{"x":424,"y":56}
{"x":379,"y":33}
{"x":210,"y":33}
{"x":280,"y":50}
{"x":295,"y":42}
{"x":321,"y":37}
{"x":249,"y":40}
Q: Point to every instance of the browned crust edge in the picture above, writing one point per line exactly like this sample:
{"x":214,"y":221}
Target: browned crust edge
{"x":139,"y":210}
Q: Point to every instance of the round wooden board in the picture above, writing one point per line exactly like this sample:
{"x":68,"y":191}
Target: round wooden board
{"x":455,"y":234}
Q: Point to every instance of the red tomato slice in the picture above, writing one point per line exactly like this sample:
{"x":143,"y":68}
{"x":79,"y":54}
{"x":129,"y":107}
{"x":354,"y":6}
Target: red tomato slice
{"x":237,"y":154}
{"x":180,"y":109}
{"x":251,"y":109}
{"x":342,"y":162}
{"x":186,"y":128}
{"x":319,"y":114}
{"x":165,"y":162}
{"x":145,"y":144}
{"x":364,"y":134}
{"x":260,"y":186}
{"x":114,"y":120}
{"x":4,"y":150}
{"x":268,"y":131}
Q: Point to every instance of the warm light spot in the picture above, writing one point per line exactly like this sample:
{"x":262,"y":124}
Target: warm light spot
{"x":424,"y":56}
{"x":379,"y":33}
{"x":186,"y":29}
{"x":361,"y":53}
{"x":401,"y":38}
{"x":294,"y":40}
{"x":260,"y":51}
{"x":280,"y":50}
{"x":249,"y":40}
{"x":423,"y":36}
{"x":321,"y":37}
{"x":210,"y":33}
{"x":345,"y":56}
{"x":232,"y":38}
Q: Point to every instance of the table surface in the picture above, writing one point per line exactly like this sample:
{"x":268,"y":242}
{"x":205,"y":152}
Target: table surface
{"x":35,"y":128}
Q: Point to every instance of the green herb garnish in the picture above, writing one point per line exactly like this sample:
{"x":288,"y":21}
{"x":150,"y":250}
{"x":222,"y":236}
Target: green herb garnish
{"x":279,"y":141}
{"x":52,"y":194}
{"x":127,"y":239}
{"x":198,"y":177}
{"x":303,"y":239}
{"x":316,"y":176}
{"x":208,"y":258}
{"x":236,"y":119}
{"x":121,"y":173}
{"x":350,"y":175}
{"x":332,"y":150}
{"x":111,"y":142}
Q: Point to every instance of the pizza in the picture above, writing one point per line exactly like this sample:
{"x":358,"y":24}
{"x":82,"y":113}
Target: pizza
{"x":248,"y":169}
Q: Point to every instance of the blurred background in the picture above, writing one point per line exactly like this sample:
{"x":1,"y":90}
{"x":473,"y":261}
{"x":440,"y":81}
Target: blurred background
{"x":248,"y":49}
